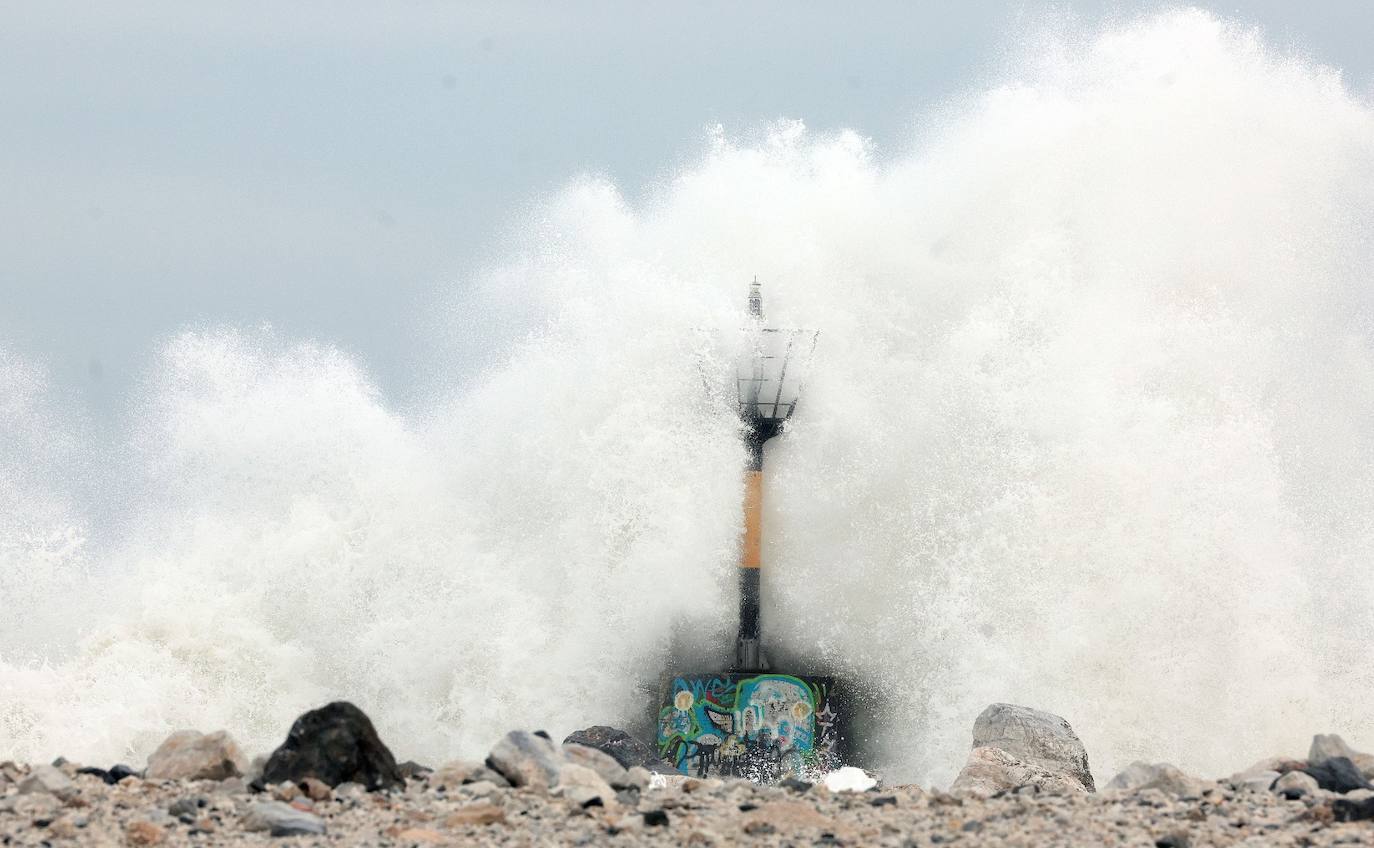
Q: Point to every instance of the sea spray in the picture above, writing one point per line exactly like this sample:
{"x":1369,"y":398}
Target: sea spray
{"x":1087,"y":429}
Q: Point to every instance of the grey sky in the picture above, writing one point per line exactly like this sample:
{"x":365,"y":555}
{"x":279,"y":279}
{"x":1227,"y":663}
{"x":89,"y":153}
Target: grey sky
{"x":330,"y":167}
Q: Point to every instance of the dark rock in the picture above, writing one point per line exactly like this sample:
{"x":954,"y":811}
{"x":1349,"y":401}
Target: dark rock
{"x":1338,"y":774}
{"x":120,"y":771}
{"x":884,"y":801}
{"x":797,"y":786}
{"x":96,"y":772}
{"x":334,"y":744}
{"x":185,"y":807}
{"x":1344,"y":810}
{"x":1173,"y":840}
{"x":627,"y":750}
{"x":655,"y":818}
{"x":410,"y":768}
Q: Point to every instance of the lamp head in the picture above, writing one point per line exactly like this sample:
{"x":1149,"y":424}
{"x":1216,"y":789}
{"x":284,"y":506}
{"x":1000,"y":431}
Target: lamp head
{"x":769,"y":371}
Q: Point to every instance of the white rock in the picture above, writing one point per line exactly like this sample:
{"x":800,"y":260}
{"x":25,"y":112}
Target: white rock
{"x":1034,"y":737}
{"x":598,"y":761}
{"x":640,"y":777}
{"x":583,"y":786}
{"x":991,"y":770}
{"x":349,"y":791}
{"x":480,"y":789}
{"x":1296,"y":782}
{"x":191,"y":755}
{"x":1165,"y":777}
{"x":1260,"y":781}
{"x":1328,"y":745}
{"x":48,"y":780}
{"x":848,"y":779}
{"x":280,"y":819}
{"x":526,"y":759}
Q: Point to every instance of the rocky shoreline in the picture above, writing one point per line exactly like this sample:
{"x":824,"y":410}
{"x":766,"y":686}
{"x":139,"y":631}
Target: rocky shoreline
{"x":333,"y":782}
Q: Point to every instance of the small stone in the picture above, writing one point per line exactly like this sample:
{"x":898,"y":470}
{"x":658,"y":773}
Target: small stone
{"x":1345,"y":810}
{"x":350,"y":791}
{"x":790,"y":817}
{"x":280,"y":819}
{"x":415,"y":835}
{"x":48,"y":780}
{"x":63,"y":828}
{"x":1295,"y":784}
{"x":410,"y":768}
{"x":185,"y":807}
{"x":655,"y":818}
{"x":287,"y":791}
{"x":144,"y":832}
{"x":316,"y":790}
{"x":232,"y":786}
{"x":118,"y":772}
{"x":480,"y":789}
{"x":1258,"y":781}
{"x":1165,"y":777}
{"x":584,"y":787}
{"x":639,"y":777}
{"x":475,"y":814}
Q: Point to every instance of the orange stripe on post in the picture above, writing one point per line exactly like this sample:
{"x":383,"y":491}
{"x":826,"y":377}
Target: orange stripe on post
{"x":753,"y":520}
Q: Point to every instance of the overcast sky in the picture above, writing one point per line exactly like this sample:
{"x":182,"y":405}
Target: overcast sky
{"x":330,"y":167}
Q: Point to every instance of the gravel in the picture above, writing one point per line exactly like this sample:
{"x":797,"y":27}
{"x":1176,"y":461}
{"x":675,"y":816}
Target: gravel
{"x":679,"y":812}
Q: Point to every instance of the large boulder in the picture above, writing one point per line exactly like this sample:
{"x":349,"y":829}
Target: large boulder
{"x":334,"y":744}
{"x":1035,"y":737}
{"x":192,"y":755}
{"x":627,"y":749}
{"x":527,"y":759}
{"x":1139,"y":776}
{"x":992,"y":770}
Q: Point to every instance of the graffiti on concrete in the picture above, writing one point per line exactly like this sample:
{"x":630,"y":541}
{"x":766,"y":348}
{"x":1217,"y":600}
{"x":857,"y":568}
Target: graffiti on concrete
{"x":762,"y":726}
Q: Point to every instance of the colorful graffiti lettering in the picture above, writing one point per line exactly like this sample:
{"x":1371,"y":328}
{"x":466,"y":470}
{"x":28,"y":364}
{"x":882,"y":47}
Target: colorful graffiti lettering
{"x":763,"y":726}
